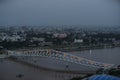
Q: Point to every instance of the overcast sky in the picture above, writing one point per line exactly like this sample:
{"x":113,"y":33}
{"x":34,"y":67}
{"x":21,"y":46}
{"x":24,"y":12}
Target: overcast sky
{"x":59,"y":12}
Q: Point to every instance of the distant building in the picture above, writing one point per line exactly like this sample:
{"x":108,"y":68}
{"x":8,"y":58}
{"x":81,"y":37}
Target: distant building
{"x":46,"y":44}
{"x":12,"y":38}
{"x":62,"y":35}
{"x":15,"y":38}
{"x":38,"y":39}
{"x":1,"y":47}
{"x":116,"y":42}
{"x":78,"y":40}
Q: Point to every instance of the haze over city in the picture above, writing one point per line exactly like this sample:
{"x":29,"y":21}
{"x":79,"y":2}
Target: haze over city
{"x":59,"y":12}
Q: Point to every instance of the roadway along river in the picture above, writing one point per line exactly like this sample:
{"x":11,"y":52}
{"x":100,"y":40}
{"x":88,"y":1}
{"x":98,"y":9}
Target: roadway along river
{"x":9,"y":70}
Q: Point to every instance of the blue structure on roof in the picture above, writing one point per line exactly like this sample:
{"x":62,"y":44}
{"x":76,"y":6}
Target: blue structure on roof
{"x":103,"y":77}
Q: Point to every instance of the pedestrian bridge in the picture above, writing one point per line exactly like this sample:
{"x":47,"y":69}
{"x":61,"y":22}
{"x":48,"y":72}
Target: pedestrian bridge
{"x":60,"y":56}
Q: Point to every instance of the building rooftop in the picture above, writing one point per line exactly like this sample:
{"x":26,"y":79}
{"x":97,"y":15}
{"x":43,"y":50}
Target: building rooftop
{"x":103,"y":77}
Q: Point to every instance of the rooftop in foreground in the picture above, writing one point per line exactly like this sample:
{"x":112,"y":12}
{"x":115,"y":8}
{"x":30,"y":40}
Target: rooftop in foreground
{"x":103,"y":77}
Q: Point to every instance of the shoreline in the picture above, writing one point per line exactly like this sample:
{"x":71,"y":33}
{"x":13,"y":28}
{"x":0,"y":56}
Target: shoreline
{"x":70,"y":49}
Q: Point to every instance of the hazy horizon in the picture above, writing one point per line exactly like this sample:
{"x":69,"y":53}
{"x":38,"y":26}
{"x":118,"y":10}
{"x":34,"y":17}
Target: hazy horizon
{"x":59,"y":12}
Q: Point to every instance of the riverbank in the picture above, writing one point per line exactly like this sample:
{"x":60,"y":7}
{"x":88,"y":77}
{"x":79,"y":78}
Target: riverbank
{"x":83,"y":48}
{"x":69,"y":48}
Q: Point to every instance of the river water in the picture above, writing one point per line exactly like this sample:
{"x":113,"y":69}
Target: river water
{"x":10,"y":69}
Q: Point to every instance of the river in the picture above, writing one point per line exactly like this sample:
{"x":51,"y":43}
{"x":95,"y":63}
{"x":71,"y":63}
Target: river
{"x":10,"y":69}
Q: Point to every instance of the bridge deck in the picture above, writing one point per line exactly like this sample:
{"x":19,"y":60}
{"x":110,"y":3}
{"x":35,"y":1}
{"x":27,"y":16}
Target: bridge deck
{"x":62,"y":56}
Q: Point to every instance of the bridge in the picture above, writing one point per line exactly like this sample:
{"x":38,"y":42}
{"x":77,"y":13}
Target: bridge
{"x":60,"y":56}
